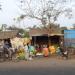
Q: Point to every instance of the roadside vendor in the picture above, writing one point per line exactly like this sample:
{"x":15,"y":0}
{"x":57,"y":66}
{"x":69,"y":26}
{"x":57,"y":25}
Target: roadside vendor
{"x":45,"y":51}
{"x":26,"y":50}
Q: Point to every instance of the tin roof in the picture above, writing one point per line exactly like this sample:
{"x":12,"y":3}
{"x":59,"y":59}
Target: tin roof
{"x":44,"y":31}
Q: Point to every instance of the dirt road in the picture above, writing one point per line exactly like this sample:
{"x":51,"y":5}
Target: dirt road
{"x":42,"y":66}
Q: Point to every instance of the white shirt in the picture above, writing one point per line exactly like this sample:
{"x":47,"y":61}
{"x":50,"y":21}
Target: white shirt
{"x":26,"y":48}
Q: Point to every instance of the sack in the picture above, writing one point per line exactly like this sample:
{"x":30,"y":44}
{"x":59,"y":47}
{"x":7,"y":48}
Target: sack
{"x":65,"y":52}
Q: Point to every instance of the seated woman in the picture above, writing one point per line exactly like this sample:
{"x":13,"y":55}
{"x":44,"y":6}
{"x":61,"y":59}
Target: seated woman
{"x":45,"y":51}
{"x":7,"y":49}
{"x":32,"y":50}
{"x":58,"y":51}
{"x":62,"y":53}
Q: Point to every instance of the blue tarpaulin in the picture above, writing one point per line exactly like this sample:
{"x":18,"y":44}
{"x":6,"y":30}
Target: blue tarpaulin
{"x":69,"y":34}
{"x":69,"y":38}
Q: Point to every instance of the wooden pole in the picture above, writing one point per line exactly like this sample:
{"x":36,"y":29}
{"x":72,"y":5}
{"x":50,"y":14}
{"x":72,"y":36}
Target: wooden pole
{"x":34,"y":40}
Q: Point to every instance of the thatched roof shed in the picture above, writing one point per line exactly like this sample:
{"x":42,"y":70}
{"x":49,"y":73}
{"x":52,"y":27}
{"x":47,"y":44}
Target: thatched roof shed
{"x":8,"y":34}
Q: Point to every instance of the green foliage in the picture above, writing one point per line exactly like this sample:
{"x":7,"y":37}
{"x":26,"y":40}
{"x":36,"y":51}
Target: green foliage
{"x":21,"y":31}
{"x":24,"y":33}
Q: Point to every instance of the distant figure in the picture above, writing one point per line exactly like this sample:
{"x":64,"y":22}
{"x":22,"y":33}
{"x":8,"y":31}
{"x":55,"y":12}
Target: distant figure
{"x":7,"y":49}
{"x":31,"y":50}
{"x":58,"y":51}
{"x":63,"y":53}
{"x":6,"y":45}
{"x":26,"y":51}
{"x":45,"y":51}
{"x":37,"y":47}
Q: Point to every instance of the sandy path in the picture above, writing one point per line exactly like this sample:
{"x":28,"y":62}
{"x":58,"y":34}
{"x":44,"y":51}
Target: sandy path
{"x":39,"y":63}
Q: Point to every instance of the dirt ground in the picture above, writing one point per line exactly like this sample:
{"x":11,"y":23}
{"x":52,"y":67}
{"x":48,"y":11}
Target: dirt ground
{"x":39,"y":66}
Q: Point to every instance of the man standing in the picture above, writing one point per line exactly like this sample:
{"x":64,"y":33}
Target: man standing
{"x":26,"y":51}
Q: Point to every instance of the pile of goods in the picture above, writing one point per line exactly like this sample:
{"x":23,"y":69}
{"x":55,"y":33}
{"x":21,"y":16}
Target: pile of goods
{"x":21,"y":54}
{"x":52,"y":49}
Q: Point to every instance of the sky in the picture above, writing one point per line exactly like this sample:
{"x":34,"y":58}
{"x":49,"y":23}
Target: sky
{"x":10,"y":11}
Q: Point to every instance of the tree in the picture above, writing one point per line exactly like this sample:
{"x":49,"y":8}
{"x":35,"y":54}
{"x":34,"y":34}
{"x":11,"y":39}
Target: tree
{"x":21,"y":32}
{"x":0,"y":5}
{"x":4,"y":27}
{"x":73,"y":27}
{"x":47,"y":11}
{"x":63,"y":28}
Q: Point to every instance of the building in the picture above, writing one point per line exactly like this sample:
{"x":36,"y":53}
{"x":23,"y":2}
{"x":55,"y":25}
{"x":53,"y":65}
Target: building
{"x":7,"y":35}
{"x":46,"y":35}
